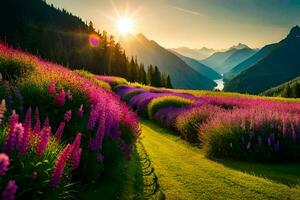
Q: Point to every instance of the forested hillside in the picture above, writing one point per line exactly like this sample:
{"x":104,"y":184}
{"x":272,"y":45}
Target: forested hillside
{"x":59,"y":36}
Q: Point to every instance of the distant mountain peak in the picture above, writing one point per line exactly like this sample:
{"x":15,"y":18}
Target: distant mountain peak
{"x":295,"y":32}
{"x":239,"y":46}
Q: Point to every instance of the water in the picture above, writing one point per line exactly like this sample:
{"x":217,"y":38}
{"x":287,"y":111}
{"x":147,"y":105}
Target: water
{"x":220,"y":83}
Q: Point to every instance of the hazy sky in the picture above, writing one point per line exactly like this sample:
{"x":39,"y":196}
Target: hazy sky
{"x":194,"y":23}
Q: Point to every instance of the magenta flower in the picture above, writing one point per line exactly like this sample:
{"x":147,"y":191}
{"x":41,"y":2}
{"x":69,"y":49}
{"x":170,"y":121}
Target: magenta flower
{"x":43,"y":141}
{"x":10,"y":141}
{"x":60,"y":166}
{"x":27,"y":133}
{"x":19,"y":133}
{"x":2,"y":110}
{"x":46,"y":123}
{"x":60,"y":98}
{"x":9,"y":192}
{"x":4,"y":163}
{"x":51,"y":89}
{"x":76,"y":158}
{"x":69,"y":96}
{"x":80,"y":111}
{"x":60,"y":131}
{"x":37,"y":126}
{"x":68,"y":116}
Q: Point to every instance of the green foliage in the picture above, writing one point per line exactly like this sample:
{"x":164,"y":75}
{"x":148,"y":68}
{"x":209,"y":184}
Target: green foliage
{"x":167,"y":101}
{"x":11,"y":68}
{"x":91,"y":76}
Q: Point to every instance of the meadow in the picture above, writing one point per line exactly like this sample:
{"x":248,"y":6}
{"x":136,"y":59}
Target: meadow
{"x":74,"y":135}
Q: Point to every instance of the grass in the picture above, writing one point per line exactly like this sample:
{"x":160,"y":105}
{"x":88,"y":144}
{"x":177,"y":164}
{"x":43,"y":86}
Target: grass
{"x":123,"y":182}
{"x":185,"y":173}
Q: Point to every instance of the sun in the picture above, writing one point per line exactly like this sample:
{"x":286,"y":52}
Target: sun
{"x":125,"y":25}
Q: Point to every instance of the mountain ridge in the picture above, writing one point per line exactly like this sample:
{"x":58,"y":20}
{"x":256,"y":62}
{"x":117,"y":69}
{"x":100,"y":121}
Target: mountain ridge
{"x":150,"y":52}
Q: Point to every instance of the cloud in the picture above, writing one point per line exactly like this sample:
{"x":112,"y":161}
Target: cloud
{"x":187,"y":11}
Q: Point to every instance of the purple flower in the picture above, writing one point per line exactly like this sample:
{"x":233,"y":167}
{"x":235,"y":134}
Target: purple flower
{"x":60,"y":131}
{"x":259,"y":140}
{"x":43,"y":141}
{"x":10,"y":141}
{"x":4,"y":163}
{"x":60,"y":98}
{"x":60,"y":164}
{"x":51,"y":89}
{"x":248,"y":146}
{"x":27,"y":131}
{"x":68,"y":116}
{"x":9,"y":192}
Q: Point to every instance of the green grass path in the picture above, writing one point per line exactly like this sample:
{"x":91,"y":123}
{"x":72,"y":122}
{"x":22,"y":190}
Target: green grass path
{"x":184,"y":173}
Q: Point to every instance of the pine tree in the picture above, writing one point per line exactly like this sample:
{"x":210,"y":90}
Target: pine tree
{"x":169,"y":84}
{"x":156,"y":77}
{"x":150,"y":72}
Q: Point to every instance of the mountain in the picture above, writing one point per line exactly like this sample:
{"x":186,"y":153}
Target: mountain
{"x":223,"y":62}
{"x":199,"y":67}
{"x":290,"y":89}
{"x":280,"y":65}
{"x":197,"y":54}
{"x":249,"y":62}
{"x":149,"y":52}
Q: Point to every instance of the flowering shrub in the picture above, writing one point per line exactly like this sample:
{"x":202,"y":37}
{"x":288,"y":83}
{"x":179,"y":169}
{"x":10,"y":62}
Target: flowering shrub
{"x":167,"y":101}
{"x":112,"y":80}
{"x":190,"y":118}
{"x":253,"y":134}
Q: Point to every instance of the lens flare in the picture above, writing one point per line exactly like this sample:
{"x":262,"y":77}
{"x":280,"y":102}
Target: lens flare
{"x":94,"y":40}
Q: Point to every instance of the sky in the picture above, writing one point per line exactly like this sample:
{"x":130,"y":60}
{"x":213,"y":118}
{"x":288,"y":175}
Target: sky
{"x":214,"y":24}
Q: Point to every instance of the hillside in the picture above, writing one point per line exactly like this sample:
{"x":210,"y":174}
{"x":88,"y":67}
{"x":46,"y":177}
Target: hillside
{"x":280,"y":65}
{"x":149,"y":52}
{"x":199,"y":67}
{"x":249,"y":62}
{"x":197,"y":54}
{"x":289,"y":89}
{"x":222,"y":62}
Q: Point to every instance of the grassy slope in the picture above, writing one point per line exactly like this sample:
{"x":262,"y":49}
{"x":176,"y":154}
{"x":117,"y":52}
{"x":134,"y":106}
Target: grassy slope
{"x":184,"y":172}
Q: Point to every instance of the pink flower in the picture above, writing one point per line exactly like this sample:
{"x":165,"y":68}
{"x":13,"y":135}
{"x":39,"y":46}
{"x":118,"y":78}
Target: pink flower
{"x":69,"y":96}
{"x":9,"y":192}
{"x":43,"y":141}
{"x":60,"y":131}
{"x":4,"y":163}
{"x":68,"y":116}
{"x":51,"y":89}
{"x":60,"y":98}
{"x":27,"y":131}
{"x":60,"y":164}
{"x":80,"y":111}
{"x":2,"y":110}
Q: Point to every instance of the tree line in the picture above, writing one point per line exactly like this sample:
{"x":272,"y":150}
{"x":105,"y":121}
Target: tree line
{"x":61,"y":37}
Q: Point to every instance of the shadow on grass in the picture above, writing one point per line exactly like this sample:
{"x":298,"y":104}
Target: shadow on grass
{"x":124,"y":181}
{"x":284,"y":173}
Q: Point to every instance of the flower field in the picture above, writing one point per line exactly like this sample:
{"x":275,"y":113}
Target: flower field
{"x":59,"y":129}
{"x":253,"y":129}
